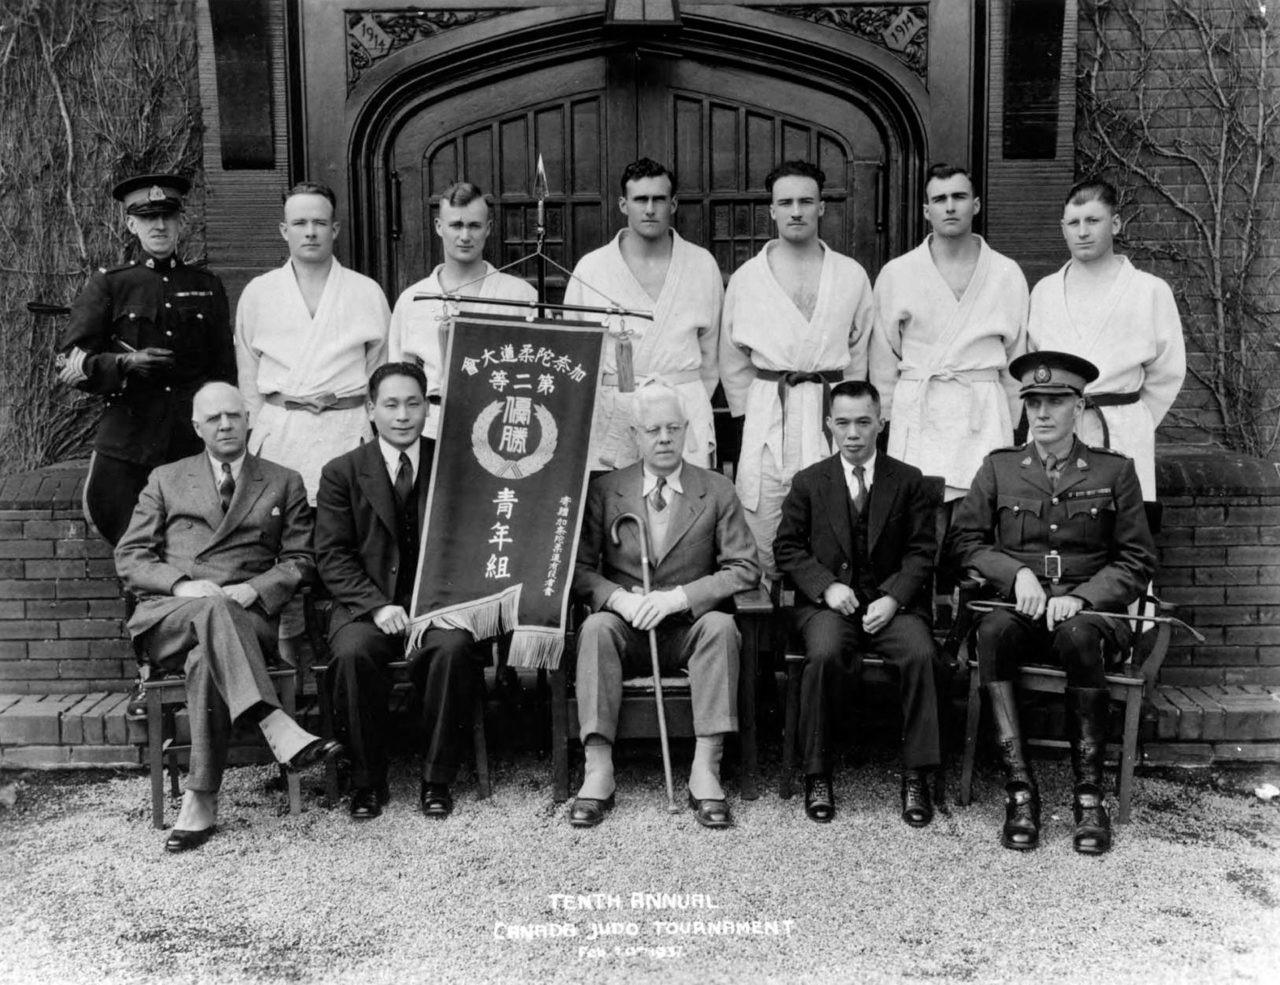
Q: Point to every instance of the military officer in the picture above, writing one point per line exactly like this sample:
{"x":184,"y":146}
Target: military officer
{"x":145,"y":335}
{"x":1058,"y":528}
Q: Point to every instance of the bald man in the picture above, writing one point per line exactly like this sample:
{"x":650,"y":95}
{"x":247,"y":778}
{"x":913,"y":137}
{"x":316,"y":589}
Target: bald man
{"x":218,"y":543}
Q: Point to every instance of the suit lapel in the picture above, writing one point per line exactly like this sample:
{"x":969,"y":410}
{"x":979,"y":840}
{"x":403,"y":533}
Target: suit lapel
{"x":200,"y":482}
{"x":884,"y":490}
{"x":834,"y":504}
{"x":376,"y":484}
{"x":1076,"y":469}
{"x":687,"y":509}
{"x":426,"y":464}
{"x":1033,"y":470}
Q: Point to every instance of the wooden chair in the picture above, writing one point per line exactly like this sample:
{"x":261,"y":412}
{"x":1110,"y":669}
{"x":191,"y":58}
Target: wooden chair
{"x":164,"y":695}
{"x":638,"y":716}
{"x":1133,"y":681}
{"x":317,"y":607}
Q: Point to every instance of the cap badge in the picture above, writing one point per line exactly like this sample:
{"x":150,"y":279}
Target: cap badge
{"x":156,"y":194}
{"x":1042,"y":374}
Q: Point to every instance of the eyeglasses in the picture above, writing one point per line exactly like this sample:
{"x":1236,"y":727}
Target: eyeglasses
{"x":675,"y":430}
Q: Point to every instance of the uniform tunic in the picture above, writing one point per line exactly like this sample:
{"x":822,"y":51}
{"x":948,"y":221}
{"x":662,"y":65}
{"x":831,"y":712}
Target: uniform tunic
{"x":415,"y":325}
{"x":163,"y":304}
{"x":283,"y":351}
{"x":680,"y":345}
{"x":941,"y":363}
{"x":1137,"y":345}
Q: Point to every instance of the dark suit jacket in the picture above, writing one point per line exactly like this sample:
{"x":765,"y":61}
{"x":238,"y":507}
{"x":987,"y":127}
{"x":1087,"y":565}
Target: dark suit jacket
{"x":815,"y":538}
{"x":357,"y":551}
{"x":709,"y":548}
{"x":179,"y":531}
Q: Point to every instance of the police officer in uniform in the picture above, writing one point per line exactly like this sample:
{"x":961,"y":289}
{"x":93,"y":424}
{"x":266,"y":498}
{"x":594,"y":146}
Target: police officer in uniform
{"x":1058,"y":528}
{"x":145,"y":335}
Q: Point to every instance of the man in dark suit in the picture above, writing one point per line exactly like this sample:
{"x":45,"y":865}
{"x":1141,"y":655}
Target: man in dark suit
{"x":219,"y":542}
{"x":369,"y":515}
{"x":857,"y":538}
{"x":702,"y":554}
{"x":1059,"y":529}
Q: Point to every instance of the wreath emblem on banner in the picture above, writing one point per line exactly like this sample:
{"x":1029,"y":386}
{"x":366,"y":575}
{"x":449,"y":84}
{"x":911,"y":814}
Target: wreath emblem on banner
{"x":518,"y":468}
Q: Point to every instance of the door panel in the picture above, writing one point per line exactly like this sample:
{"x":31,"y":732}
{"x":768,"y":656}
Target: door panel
{"x":722,"y":129}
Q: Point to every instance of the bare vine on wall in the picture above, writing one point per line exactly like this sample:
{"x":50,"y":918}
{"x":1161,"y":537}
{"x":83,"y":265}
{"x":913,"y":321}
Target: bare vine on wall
{"x":1179,"y":101}
{"x":91,"y":91}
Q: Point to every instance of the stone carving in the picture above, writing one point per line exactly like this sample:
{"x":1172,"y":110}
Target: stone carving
{"x":372,"y":35}
{"x":902,"y":29}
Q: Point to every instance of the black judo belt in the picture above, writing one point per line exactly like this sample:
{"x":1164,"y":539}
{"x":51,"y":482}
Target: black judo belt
{"x":786,"y":380}
{"x":1096,"y":401}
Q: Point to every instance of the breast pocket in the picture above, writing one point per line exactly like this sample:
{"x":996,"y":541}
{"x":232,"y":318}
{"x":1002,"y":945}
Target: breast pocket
{"x":133,"y":323}
{"x":1014,"y":516}
{"x":1093,"y":521}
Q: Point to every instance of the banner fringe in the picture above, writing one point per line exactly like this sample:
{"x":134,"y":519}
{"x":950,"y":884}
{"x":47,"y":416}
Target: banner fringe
{"x":536,"y":650}
{"x":483,"y":620}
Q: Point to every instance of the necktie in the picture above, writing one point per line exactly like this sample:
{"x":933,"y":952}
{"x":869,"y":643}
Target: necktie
{"x":404,"y":481}
{"x":226,"y":487}
{"x":1051,"y":470}
{"x":656,"y":502}
{"x":860,"y":497}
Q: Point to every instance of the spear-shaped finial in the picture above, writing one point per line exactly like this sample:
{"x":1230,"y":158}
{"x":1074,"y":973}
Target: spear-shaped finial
{"x":540,"y":191}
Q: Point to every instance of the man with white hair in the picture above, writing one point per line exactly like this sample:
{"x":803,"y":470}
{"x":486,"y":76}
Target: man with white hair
{"x":702,"y":553}
{"x":219,"y":542}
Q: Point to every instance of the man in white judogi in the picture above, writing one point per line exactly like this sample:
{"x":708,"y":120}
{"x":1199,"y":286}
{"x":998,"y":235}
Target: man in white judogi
{"x":649,"y":267}
{"x":797,"y":317}
{"x":1124,"y":321}
{"x":418,"y":328}
{"x":308,"y":335}
{"x":950,"y":316}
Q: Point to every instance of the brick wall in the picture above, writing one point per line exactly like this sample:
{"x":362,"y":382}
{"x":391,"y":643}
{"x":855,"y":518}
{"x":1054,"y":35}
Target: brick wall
{"x":61,"y":612}
{"x":1220,"y":563}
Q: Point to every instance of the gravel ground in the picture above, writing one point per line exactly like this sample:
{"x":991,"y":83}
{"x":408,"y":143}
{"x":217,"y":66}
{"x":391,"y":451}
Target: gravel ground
{"x":1190,"y":893}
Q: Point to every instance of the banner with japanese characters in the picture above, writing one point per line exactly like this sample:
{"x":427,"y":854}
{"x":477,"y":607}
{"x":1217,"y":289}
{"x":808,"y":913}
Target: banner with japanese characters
{"x":509,"y":482}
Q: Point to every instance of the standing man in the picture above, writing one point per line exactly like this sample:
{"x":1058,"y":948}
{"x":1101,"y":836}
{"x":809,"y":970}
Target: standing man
{"x":308,"y":336}
{"x":950,"y":315}
{"x":418,"y":328}
{"x":702,"y":554}
{"x":649,"y":267}
{"x":1099,"y":307}
{"x":857,"y":539}
{"x":1058,"y":528}
{"x":145,"y":335}
{"x":797,"y":317}
{"x":368,"y":527}
{"x":219,"y":542}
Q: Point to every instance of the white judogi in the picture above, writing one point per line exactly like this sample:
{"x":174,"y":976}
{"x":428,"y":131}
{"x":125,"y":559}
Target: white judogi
{"x":415,"y":325}
{"x":762,"y":329}
{"x":680,"y":345}
{"x":282,"y":350}
{"x":941,"y":363}
{"x":1138,"y":348}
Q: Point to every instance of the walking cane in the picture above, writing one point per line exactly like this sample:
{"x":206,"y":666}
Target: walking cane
{"x":643,"y":529}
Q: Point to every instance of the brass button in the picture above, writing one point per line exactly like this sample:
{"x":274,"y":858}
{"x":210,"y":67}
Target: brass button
{"x":1053,"y":526}
{"x":1054,"y":501}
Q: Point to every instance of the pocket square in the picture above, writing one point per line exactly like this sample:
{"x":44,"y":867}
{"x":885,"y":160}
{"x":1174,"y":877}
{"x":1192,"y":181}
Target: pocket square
{"x":275,"y":511}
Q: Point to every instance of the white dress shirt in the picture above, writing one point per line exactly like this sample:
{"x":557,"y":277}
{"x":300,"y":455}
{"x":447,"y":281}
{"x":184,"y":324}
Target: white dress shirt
{"x":391,"y":456}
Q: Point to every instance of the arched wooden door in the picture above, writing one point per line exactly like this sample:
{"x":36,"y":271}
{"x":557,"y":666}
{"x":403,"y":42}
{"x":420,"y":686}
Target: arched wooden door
{"x":721,"y":128}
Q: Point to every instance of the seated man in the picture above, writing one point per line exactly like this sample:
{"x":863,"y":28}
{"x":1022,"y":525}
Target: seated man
{"x":1059,"y":529}
{"x":218,"y":544}
{"x":368,"y":521}
{"x":857,"y":538}
{"x":702,"y":554}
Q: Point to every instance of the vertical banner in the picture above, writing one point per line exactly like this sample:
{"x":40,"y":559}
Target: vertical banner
{"x":508,"y":483}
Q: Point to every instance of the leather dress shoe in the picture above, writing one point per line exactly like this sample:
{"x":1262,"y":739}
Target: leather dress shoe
{"x":819,"y":798}
{"x":711,"y":812}
{"x":917,"y":805}
{"x":435,"y":799}
{"x":1093,"y":828}
{"x":1021,"y":830}
{"x":314,"y":752}
{"x":366,"y":803}
{"x":181,"y":840}
{"x":587,"y":812}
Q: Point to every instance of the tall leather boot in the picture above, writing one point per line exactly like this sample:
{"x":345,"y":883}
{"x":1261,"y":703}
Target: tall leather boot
{"x":1087,"y":722}
{"x":1021,"y":830}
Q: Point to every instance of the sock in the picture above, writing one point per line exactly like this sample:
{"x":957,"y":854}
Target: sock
{"x":704,"y":777}
{"x":285,"y":736}
{"x":597,"y":783}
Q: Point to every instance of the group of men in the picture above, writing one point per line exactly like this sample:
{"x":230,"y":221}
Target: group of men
{"x":816,"y":361}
